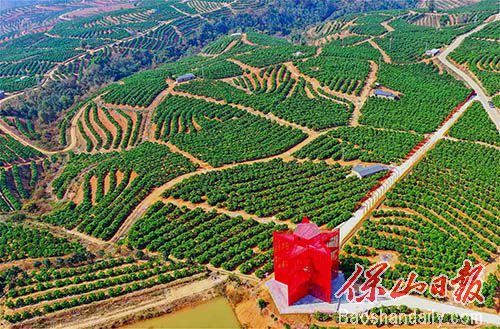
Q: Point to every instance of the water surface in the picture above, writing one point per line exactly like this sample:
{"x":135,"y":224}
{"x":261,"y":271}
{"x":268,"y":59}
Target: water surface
{"x":215,"y":313}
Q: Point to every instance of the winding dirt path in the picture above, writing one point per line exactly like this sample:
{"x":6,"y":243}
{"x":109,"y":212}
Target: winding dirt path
{"x":295,"y":73}
{"x":372,"y":77}
{"x":386,"y":25}
{"x":244,"y":39}
{"x":148,"y":132}
{"x":269,"y":116}
{"x":386,"y":57}
{"x":26,"y":142}
{"x":475,"y":142}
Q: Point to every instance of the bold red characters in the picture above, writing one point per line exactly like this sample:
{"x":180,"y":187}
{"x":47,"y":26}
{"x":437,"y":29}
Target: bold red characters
{"x":306,"y":261}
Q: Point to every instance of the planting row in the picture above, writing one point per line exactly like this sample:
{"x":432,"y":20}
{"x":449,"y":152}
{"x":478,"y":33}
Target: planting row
{"x":285,"y":190}
{"x":206,"y":237}
{"x":122,"y":180}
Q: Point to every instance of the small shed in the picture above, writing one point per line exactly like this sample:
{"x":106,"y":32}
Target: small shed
{"x":235,"y":34}
{"x":2,"y":94}
{"x":298,"y":54}
{"x":364,"y":172}
{"x":432,"y":52}
{"x":385,"y":94}
{"x":185,"y":77}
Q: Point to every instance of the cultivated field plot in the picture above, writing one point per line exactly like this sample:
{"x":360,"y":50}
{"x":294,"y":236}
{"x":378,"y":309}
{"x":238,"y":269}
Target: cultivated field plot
{"x":111,"y":185}
{"x":138,"y":90}
{"x":328,"y":28}
{"x":364,"y":143}
{"x":44,"y":292}
{"x":220,"y":45}
{"x":345,"y":75}
{"x":207,"y":238}
{"x":448,"y":4}
{"x":266,"y":40}
{"x":18,"y":242}
{"x":26,"y":60}
{"x":347,"y":48}
{"x":17,"y":184}
{"x":123,"y":30}
{"x":274,"y":90}
{"x":203,"y":7}
{"x":12,"y":151}
{"x":476,"y":125}
{"x":159,"y":39}
{"x":421,"y":106}
{"x":220,"y":134}
{"x":101,"y":128}
{"x":369,"y":24}
{"x":118,"y":24}
{"x":284,"y":190}
{"x":262,"y":57}
{"x":202,"y":67}
{"x":446,"y":210}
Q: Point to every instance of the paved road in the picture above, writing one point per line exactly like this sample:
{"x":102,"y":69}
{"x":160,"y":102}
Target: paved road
{"x":481,"y":95}
{"x":349,"y":227}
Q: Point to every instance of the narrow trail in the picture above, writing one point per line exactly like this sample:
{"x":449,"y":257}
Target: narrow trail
{"x":295,"y":72}
{"x":7,"y":202}
{"x":386,"y":25}
{"x":386,"y":57}
{"x":475,"y":142}
{"x":245,"y":67}
{"x":372,"y":77}
{"x":91,"y":241}
{"x":470,"y":81}
{"x":228,"y":48}
{"x":244,"y":39}
{"x":208,"y":208}
{"x":148,"y":132}
{"x":269,"y":116}
{"x":202,"y":164}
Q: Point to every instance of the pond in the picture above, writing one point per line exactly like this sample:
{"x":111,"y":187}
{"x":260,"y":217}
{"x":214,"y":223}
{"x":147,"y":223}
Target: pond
{"x":215,"y":313}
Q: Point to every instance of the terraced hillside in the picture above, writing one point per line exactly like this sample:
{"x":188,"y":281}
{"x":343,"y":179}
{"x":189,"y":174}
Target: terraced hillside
{"x":172,"y":180}
{"x":107,"y":129}
{"x":111,"y":185}
{"x":42,"y":293}
{"x":442,"y":213}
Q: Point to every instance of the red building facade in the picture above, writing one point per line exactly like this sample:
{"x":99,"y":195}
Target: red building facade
{"x":306,"y":261}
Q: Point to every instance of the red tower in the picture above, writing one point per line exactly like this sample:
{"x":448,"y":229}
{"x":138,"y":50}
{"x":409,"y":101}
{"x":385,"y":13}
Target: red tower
{"x":306,"y":261}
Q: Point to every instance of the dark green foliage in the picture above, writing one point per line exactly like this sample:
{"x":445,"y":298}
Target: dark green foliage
{"x":476,"y":125}
{"x":85,"y":284}
{"x":18,"y":242}
{"x":154,"y":165}
{"x":445,"y":211}
{"x":220,"y":134}
{"x":285,"y":190}
{"x":204,"y":237}
{"x":421,"y":106}
{"x":364,"y":143}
